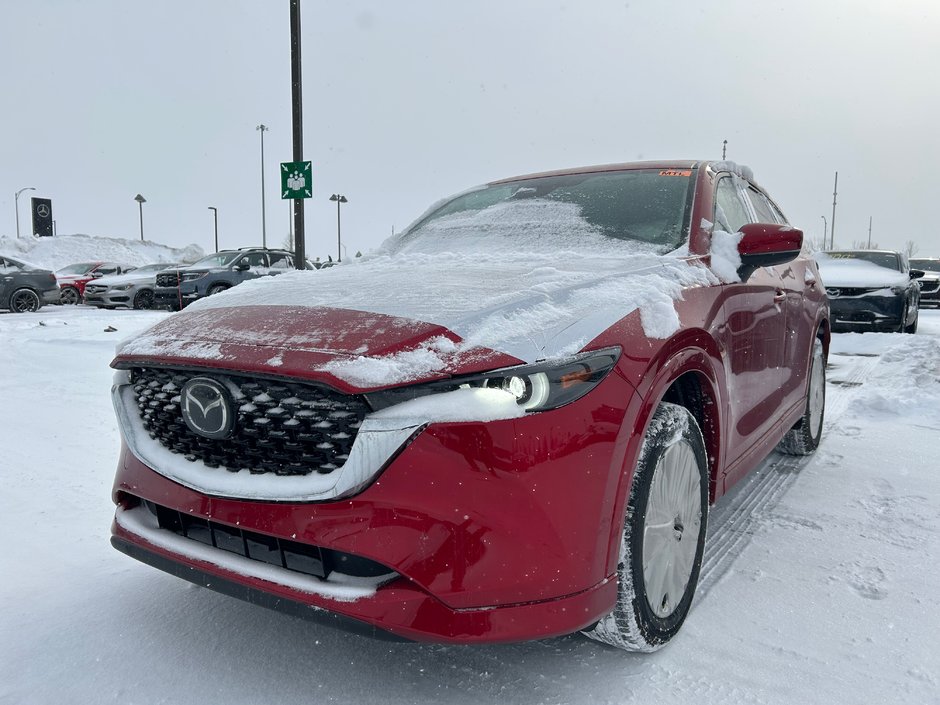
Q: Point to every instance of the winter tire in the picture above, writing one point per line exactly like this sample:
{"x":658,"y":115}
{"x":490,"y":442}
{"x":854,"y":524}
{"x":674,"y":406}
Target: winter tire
{"x":69,"y":296}
{"x":216,"y":289}
{"x":663,"y":537}
{"x":912,"y":328}
{"x":144,"y":299}
{"x":24,"y":301}
{"x":804,"y":437}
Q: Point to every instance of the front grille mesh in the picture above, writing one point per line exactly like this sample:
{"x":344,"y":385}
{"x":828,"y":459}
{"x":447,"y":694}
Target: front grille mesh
{"x":281,"y":427}
{"x":929,"y":286}
{"x":167,"y":279}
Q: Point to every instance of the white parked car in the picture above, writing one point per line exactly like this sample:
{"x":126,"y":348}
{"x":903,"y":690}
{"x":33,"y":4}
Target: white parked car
{"x":133,"y":290}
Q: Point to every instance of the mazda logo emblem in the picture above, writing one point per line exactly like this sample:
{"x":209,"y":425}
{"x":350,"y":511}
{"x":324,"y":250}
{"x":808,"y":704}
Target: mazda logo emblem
{"x":833,"y":292}
{"x":207,"y":408}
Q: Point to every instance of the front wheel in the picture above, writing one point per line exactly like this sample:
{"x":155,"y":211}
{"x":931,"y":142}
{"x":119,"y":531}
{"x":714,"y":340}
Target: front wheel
{"x":216,"y":289}
{"x":663,"y":537}
{"x":912,"y":328}
{"x":69,"y":296}
{"x":24,"y":301}
{"x":804,"y":437}
{"x":144,"y":299}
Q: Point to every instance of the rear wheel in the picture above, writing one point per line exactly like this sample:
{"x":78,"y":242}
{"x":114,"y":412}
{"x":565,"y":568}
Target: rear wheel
{"x":69,"y":296}
{"x":804,"y":437}
{"x":24,"y":301}
{"x":144,"y":299}
{"x":663,"y":536}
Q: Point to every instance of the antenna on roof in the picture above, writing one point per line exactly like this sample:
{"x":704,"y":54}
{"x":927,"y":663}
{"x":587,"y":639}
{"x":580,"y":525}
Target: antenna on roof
{"x":724,"y":149}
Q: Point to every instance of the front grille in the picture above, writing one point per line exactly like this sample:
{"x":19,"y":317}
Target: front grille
{"x":929,"y":286}
{"x":95,"y":288}
{"x":292,"y":555}
{"x":167,"y":279}
{"x":280,"y":427}
{"x":835,"y":292}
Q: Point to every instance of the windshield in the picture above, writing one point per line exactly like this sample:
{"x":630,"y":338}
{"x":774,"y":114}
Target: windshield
{"x":219,"y":259}
{"x":153,"y":268}
{"x":889,"y":260}
{"x":931,"y":265}
{"x":647,"y":207}
{"x":80,"y":268}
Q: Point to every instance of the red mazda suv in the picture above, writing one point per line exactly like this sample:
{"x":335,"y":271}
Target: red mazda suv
{"x":508,"y":423}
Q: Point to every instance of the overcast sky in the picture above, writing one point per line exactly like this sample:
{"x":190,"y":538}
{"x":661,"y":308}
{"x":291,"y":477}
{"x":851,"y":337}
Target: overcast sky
{"x":408,"y":102}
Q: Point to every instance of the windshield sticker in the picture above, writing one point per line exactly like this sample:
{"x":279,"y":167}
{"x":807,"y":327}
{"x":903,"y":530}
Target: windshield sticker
{"x":676,"y":172}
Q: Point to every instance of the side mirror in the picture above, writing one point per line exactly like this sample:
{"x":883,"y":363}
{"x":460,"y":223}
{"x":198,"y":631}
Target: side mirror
{"x":917,"y":273}
{"x":242,"y":266}
{"x":97,"y":275}
{"x":766,"y":245}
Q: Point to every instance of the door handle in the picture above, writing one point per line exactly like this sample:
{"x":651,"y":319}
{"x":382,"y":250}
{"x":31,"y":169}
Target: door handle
{"x":780,"y":296}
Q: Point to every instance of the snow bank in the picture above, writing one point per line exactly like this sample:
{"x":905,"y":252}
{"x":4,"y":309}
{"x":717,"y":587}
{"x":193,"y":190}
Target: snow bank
{"x":57,"y":252}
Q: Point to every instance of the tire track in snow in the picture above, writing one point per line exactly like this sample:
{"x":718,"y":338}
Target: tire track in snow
{"x":734,"y":519}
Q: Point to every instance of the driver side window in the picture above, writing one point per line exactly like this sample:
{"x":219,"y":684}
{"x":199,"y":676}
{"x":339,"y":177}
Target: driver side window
{"x":730,"y":212}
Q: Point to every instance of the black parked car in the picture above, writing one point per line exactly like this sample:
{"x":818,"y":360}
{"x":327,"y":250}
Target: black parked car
{"x":175,"y":288}
{"x":870,"y":290}
{"x":25,"y":288}
{"x":930,"y":282}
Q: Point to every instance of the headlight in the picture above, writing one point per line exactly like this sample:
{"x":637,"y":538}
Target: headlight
{"x":537,"y":387}
{"x":123,"y":287}
{"x":192,"y":276}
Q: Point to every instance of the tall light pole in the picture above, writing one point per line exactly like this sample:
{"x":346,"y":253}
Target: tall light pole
{"x":215,"y":218}
{"x":16,"y":206}
{"x":264,"y":232}
{"x":140,"y":202}
{"x":832,"y":230}
{"x":339,"y":198}
{"x":825,"y":230}
{"x":869,"y":232}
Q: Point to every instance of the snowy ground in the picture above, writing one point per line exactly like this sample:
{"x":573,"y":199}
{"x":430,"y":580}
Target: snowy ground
{"x":820,"y":583}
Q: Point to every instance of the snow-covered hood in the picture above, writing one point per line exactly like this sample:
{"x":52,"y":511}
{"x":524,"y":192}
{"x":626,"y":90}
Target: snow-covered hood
{"x":858,"y":273}
{"x":393,"y":319}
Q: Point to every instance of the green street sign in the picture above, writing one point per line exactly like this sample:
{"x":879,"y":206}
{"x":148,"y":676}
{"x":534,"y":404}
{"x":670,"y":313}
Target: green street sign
{"x":296,"y":180}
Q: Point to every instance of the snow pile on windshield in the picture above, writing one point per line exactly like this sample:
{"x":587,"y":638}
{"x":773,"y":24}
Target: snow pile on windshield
{"x":515,"y":228}
{"x":856,"y":272}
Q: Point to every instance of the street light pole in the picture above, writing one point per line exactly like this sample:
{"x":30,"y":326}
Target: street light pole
{"x":339,"y":198}
{"x":832,"y":230}
{"x":140,"y":202}
{"x":264,"y":233}
{"x":825,"y":230}
{"x":215,"y":218}
{"x":16,"y":206}
{"x":869,"y":232}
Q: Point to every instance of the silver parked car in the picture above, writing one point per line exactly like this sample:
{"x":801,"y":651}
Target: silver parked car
{"x":134,"y":289}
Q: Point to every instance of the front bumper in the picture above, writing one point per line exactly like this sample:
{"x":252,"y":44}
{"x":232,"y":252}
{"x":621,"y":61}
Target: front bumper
{"x":109,"y":297}
{"x":499,"y":531}
{"x":875,"y":313}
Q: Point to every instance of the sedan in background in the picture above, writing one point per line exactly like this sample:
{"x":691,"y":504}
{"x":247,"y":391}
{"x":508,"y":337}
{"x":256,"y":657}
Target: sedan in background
{"x":507,"y":424}
{"x":870,"y":290}
{"x":131,"y":290}
{"x":73,"y":278}
{"x":930,"y":282}
{"x":25,"y":287}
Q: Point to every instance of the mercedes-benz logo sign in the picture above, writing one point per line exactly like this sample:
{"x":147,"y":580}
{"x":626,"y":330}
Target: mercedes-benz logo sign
{"x":207,"y":408}
{"x":42,"y":210}
{"x":833,"y":292}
